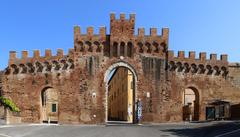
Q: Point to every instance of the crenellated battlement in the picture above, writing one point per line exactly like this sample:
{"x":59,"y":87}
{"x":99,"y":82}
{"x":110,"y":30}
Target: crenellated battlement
{"x":24,"y":58}
{"x":89,"y":42}
{"x":122,"y":40}
{"x":122,"y":17}
{"x":201,"y":65}
{"x":90,"y":35}
{"x":192,"y":57}
{"x":38,"y":63}
{"x":153,"y":33}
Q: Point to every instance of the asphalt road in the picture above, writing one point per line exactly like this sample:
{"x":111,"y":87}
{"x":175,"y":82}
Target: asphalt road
{"x":212,"y":129}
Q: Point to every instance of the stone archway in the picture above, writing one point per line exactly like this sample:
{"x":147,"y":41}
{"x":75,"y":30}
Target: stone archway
{"x":191,"y":101}
{"x":134,"y":89}
{"x":49,"y":105}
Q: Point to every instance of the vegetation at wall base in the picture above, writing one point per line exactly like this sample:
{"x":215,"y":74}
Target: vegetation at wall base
{"x":9,"y":104}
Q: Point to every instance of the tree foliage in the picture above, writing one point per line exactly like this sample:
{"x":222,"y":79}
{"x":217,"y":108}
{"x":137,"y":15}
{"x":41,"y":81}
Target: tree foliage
{"x":9,"y":104}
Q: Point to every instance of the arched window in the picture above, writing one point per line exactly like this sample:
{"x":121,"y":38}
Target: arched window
{"x":129,"y":49}
{"x":115,"y":49}
{"x":122,"y":47}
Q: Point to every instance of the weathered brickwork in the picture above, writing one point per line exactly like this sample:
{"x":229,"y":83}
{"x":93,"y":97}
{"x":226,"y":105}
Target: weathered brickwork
{"x":234,"y":72}
{"x":79,"y":77}
{"x":2,"y":113}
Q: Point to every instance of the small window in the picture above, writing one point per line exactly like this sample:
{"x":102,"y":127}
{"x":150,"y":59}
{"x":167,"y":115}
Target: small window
{"x":54,"y":107}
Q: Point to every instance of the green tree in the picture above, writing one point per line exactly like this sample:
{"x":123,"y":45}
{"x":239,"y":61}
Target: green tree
{"x":9,"y":104}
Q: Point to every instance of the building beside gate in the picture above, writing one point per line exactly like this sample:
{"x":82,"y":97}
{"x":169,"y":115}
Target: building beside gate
{"x":74,"y":87}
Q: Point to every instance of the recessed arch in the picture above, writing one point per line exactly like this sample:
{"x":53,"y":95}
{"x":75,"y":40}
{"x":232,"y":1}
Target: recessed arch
{"x":194,"y":68}
{"x":201,"y":68}
{"x":148,"y":45}
{"x":115,"y":49}
{"x":49,"y":104}
{"x":134,"y":86}
{"x":186,"y":67}
{"x":88,"y":46}
{"x":129,"y":49}
{"x":122,"y":48}
{"x":79,"y":47}
{"x":156,"y":46}
{"x":140,"y":47}
{"x":216,"y":70}
{"x":172,"y":65}
{"x":191,"y":104}
{"x":209,"y":69}
{"x":120,"y":64}
{"x":179,"y":66}
{"x":23,"y":68}
{"x":163,"y":46}
{"x":97,"y":46}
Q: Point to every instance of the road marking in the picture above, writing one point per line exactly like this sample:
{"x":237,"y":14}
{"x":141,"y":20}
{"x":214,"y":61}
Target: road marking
{"x":228,"y":133}
{"x":4,"y":135}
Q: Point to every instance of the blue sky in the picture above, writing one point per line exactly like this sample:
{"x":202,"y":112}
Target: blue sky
{"x":212,"y":26}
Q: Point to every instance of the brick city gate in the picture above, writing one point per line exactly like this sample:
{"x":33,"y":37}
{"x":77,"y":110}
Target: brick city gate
{"x":80,"y":76}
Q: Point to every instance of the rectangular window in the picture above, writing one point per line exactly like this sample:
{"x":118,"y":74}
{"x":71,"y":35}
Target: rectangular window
{"x":54,"y":107}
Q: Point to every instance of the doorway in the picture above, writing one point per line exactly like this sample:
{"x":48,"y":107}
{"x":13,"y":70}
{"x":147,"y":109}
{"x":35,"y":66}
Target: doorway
{"x":190,"y":104}
{"x":49,"y":98}
{"x":121,"y":95}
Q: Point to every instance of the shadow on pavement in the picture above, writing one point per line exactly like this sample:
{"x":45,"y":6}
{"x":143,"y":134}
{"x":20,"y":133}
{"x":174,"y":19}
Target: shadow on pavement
{"x":206,"y":131}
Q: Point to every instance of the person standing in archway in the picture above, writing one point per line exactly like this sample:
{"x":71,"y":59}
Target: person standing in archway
{"x":129,"y":112}
{"x":139,"y":110}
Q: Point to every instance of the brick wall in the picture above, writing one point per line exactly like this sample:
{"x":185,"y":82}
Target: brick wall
{"x":79,"y":76}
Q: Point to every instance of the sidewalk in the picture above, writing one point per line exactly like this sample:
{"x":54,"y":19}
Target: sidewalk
{"x":2,"y":122}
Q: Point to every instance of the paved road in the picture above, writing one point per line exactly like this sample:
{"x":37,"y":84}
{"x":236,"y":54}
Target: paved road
{"x":212,"y":129}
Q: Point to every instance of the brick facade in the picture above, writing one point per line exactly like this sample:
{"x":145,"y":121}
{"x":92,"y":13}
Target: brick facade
{"x":79,"y":77}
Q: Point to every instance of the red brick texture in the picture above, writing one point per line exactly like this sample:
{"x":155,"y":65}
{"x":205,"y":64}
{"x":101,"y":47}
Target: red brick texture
{"x":81,"y":72}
